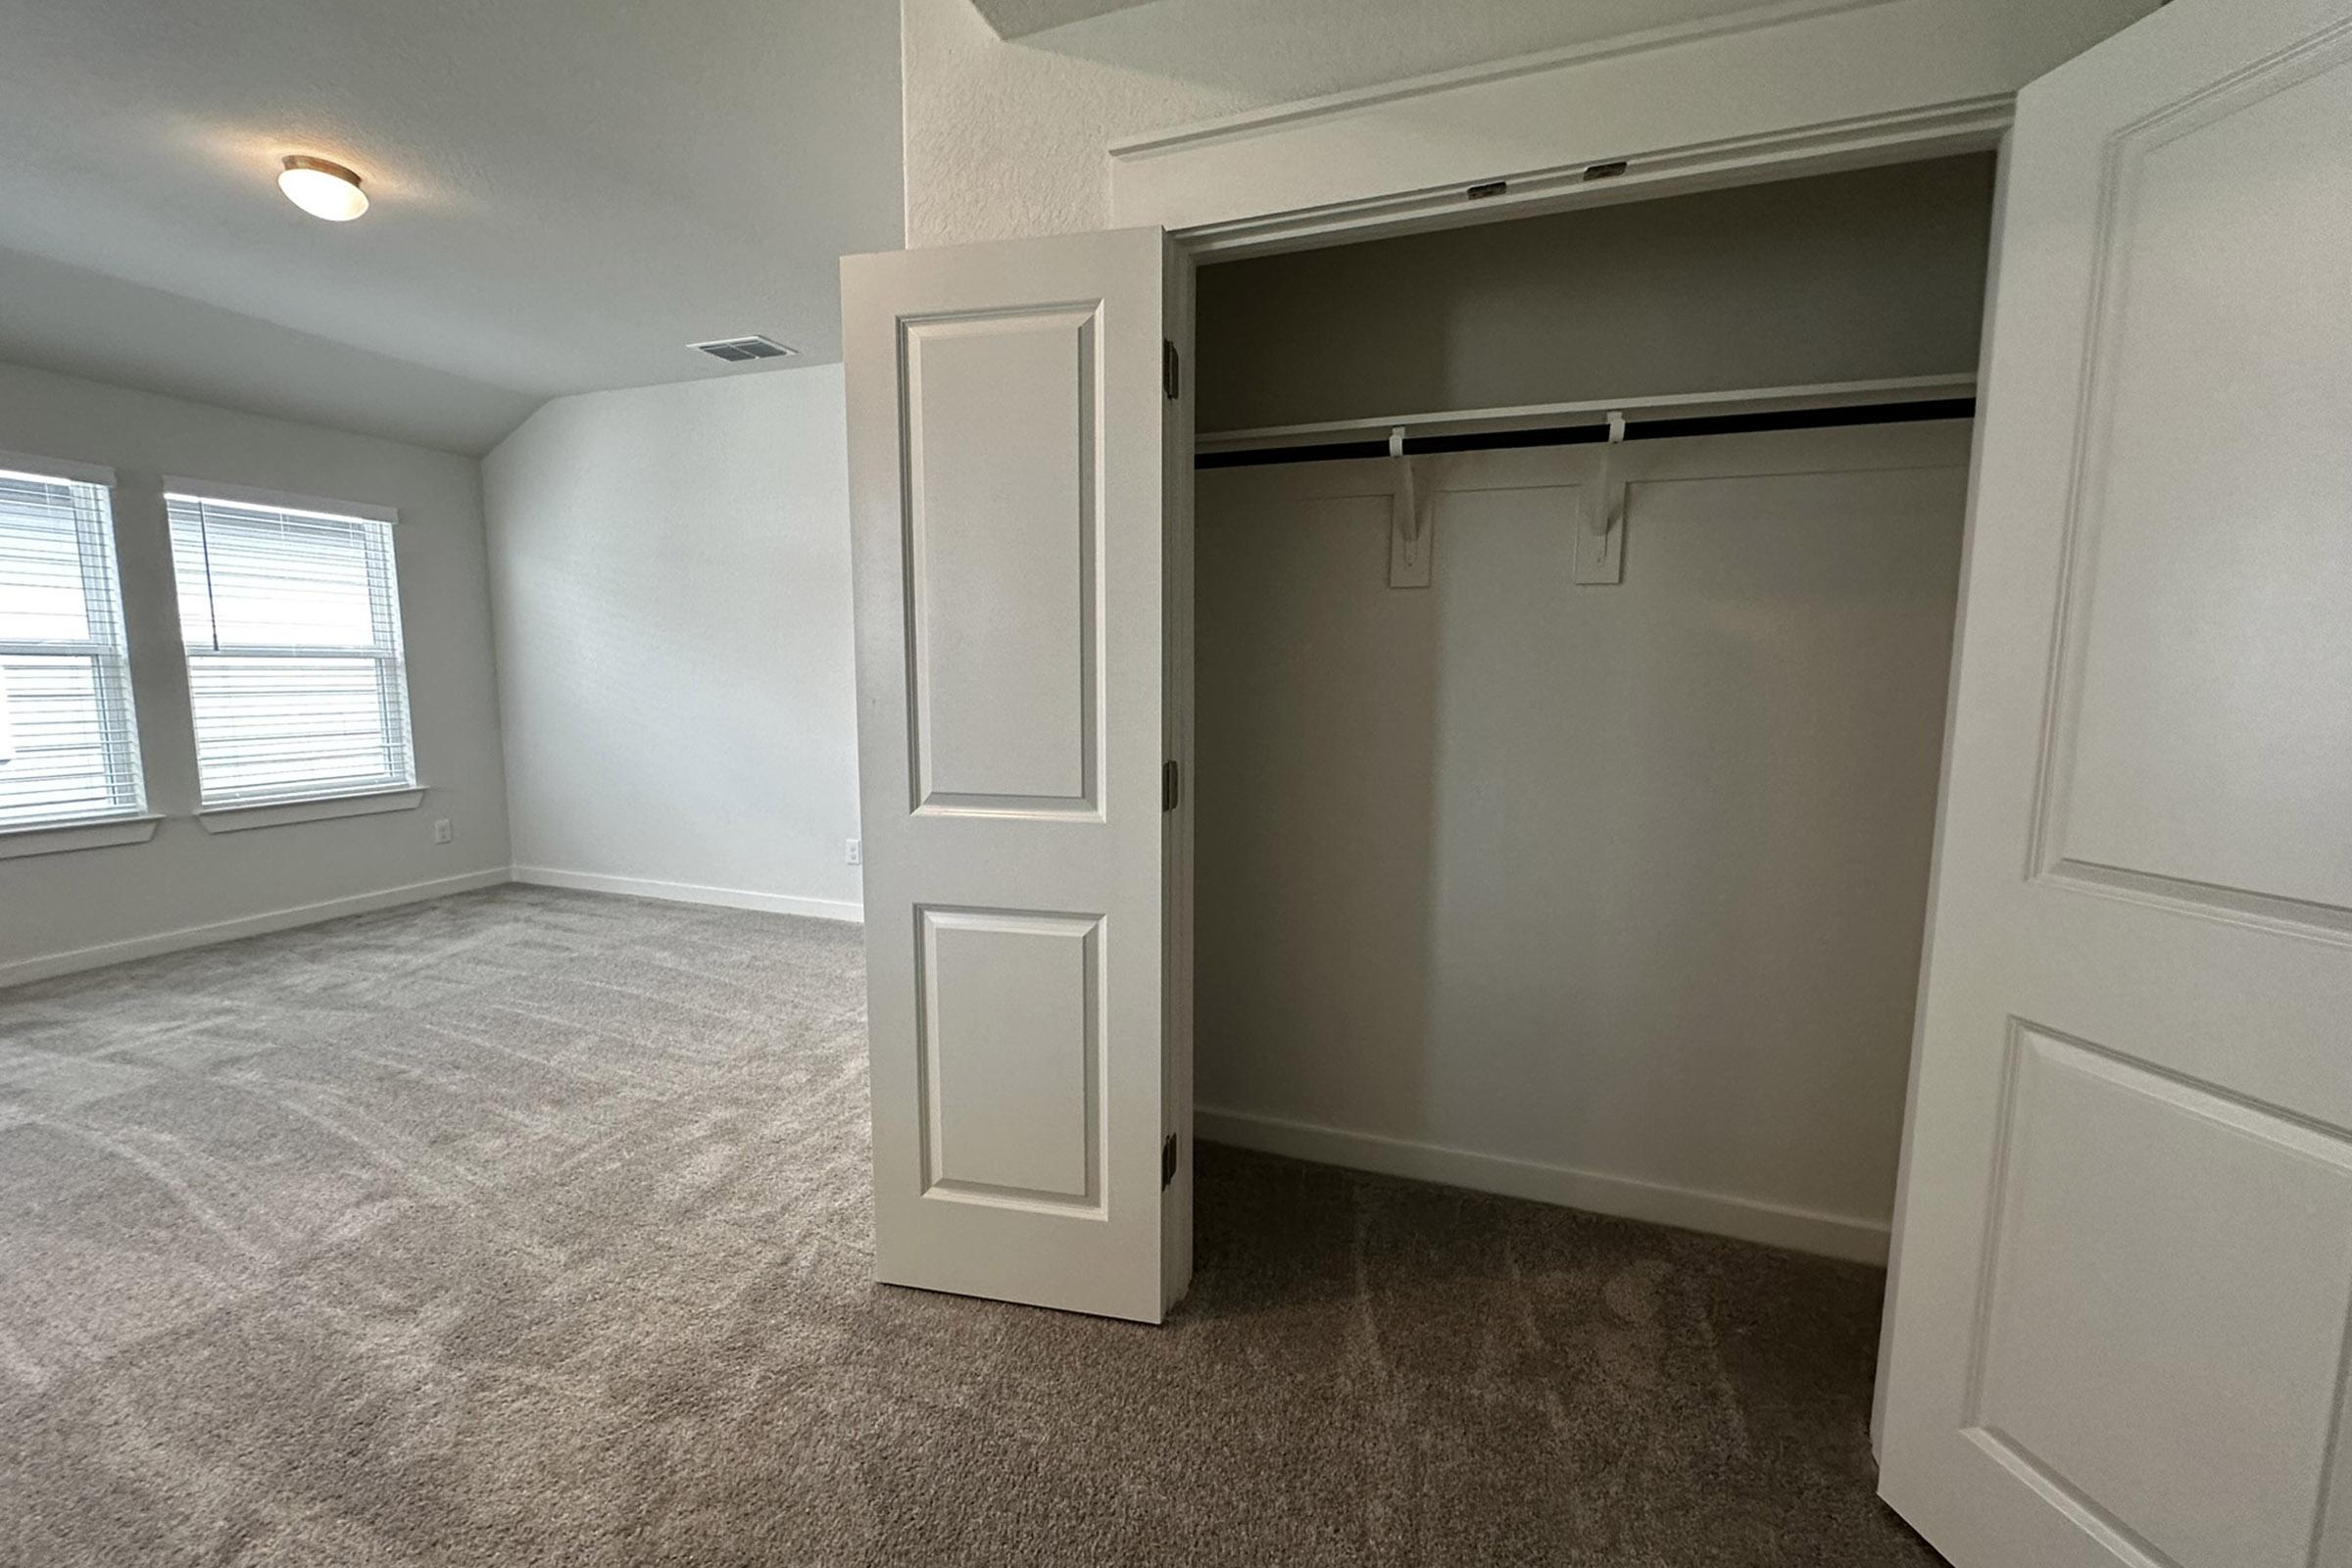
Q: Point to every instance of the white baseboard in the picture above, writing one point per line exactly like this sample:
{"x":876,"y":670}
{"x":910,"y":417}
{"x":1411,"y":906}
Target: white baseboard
{"x":638,"y":887}
{"x":48,"y":965}
{"x":1749,"y":1219}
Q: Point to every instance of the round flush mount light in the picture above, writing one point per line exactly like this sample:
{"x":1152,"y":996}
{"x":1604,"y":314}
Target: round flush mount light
{"x":322,"y":189}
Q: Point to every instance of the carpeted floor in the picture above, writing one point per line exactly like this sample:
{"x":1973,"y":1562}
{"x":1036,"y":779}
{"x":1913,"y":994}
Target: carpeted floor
{"x":530,"y":1228}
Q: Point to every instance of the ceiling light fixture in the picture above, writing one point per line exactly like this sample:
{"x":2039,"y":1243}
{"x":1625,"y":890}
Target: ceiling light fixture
{"x":322,"y":189}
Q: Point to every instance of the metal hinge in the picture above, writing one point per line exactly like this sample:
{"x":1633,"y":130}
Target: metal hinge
{"x":1169,"y":378}
{"x":1170,"y":785}
{"x":1168,"y":1159}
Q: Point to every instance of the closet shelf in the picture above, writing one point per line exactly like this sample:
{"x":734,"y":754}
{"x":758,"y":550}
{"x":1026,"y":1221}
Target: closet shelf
{"x":1594,"y":412}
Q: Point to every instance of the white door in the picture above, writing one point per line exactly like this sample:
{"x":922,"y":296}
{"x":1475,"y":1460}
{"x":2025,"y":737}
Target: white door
{"x":2123,"y":1275}
{"x":1013,"y":469}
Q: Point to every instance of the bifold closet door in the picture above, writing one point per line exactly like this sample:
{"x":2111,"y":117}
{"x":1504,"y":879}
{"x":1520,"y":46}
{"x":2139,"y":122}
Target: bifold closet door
{"x":1011,"y":466}
{"x":2123,"y":1265}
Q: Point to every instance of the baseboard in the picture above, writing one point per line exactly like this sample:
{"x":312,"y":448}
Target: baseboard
{"x":1749,"y":1219}
{"x":638,"y":887}
{"x":48,"y":966}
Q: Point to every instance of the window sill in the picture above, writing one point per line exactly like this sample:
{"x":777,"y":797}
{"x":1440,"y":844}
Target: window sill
{"x":57,"y":836}
{"x":277,"y":813}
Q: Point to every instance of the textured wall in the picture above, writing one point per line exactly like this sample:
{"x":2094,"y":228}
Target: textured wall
{"x":673,"y":576}
{"x":1009,"y":138}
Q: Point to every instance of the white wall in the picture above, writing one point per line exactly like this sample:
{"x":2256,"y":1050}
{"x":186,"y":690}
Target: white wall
{"x":671,"y":577}
{"x":1009,"y":138}
{"x":83,"y":907}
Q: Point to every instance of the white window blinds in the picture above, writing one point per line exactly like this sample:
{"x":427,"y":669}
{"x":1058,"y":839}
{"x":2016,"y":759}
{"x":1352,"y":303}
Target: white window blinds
{"x":295,"y":673}
{"x":68,"y":743}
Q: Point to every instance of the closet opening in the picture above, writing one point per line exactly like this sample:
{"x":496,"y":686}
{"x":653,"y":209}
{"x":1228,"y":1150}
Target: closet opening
{"x":1571,"y":624}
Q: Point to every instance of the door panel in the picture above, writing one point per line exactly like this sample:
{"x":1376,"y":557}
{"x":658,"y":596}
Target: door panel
{"x":1011,"y":464}
{"x":2124,"y":1261}
{"x":1010,"y":1031}
{"x":2117,"y":1250}
{"x":2187,"y":756}
{"x":1000,"y":426}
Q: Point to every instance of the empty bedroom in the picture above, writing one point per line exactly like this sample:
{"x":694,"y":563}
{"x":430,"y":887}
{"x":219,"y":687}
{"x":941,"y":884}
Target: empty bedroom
{"x":1191,"y":782}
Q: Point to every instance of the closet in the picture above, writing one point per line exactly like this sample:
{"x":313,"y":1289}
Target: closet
{"x":1528,"y":809}
{"x":1574,"y":613}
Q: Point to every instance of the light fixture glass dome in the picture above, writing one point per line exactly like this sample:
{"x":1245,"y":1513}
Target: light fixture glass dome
{"x":322,"y":189}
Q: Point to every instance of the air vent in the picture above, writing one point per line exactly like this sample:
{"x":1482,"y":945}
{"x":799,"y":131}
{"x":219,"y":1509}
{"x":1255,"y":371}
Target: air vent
{"x":736,"y":350}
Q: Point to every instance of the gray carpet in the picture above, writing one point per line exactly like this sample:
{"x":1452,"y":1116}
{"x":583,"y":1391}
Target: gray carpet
{"x":529,"y":1227}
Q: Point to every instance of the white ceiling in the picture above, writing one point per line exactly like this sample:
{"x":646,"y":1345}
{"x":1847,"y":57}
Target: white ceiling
{"x":567,"y":192}
{"x":1017,"y":18}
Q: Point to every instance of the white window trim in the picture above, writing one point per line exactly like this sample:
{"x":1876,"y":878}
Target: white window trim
{"x":132,"y":825}
{"x":57,"y":468}
{"x":232,"y":815}
{"x":245,"y":495}
{"x":82,"y":833}
{"x":310,"y":808}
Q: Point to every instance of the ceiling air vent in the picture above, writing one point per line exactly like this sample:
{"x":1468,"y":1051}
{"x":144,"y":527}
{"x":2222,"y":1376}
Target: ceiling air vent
{"x":736,"y":350}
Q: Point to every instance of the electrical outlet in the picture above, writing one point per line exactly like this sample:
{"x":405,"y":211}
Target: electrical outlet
{"x":441,"y":830}
{"x":856,"y":854}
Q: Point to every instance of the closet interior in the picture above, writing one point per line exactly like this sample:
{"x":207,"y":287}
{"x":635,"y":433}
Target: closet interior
{"x":1574,"y":600}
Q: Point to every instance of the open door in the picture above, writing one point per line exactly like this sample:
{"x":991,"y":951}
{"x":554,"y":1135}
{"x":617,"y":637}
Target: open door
{"x":2123,"y":1275}
{"x":1014,"y":481}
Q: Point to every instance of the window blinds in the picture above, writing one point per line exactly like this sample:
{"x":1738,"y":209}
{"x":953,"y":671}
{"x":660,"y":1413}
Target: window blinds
{"x":68,"y":743}
{"x":296,"y":678}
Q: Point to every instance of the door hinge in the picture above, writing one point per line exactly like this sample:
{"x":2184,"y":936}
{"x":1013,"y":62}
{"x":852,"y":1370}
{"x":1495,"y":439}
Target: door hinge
{"x":1170,"y":785}
{"x":1169,"y":378}
{"x":1168,"y":1159}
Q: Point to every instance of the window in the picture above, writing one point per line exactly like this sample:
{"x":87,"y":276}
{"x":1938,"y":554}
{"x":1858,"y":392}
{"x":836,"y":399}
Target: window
{"x":295,"y":675}
{"x":68,"y":743}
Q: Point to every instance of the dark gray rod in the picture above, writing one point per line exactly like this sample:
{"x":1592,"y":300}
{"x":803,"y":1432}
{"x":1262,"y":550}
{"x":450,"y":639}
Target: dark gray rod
{"x":1571,"y":435}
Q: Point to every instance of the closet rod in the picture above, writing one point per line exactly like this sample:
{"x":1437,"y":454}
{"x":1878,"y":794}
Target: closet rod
{"x":1568,"y":435}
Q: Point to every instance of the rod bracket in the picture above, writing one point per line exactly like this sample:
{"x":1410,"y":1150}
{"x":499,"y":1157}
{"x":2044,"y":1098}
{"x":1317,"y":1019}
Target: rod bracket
{"x":1601,"y":545}
{"x":1409,"y":520}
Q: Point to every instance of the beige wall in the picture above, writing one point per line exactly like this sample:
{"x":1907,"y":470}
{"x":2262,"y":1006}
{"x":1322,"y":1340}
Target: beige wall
{"x":1607,"y":894}
{"x":1878,"y":273}
{"x":68,"y":910}
{"x":1610,"y":896}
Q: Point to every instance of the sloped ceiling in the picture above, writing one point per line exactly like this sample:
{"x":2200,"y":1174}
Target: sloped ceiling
{"x":567,"y":192}
{"x":1017,"y":18}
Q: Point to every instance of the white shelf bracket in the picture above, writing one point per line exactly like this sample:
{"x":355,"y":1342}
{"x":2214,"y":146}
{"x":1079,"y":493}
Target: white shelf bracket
{"x":1600,"y":543}
{"x":1409,"y":521}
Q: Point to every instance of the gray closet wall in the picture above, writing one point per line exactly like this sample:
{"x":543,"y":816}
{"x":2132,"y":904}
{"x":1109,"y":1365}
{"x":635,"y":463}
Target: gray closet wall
{"x":1875,"y":272}
{"x":1611,"y":896}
